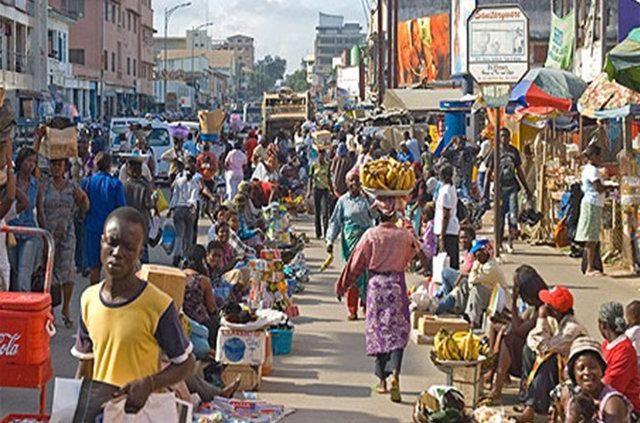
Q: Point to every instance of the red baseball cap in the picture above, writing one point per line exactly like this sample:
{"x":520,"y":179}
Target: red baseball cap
{"x":559,"y":298}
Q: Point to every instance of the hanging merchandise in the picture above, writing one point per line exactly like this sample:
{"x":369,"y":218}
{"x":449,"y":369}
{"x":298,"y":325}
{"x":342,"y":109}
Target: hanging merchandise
{"x":561,"y":41}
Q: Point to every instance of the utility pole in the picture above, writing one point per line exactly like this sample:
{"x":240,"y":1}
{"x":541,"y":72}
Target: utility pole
{"x":168,"y":11}
{"x":380,"y":53}
{"x":193,"y":53}
{"x":390,"y":42}
{"x":498,"y":221}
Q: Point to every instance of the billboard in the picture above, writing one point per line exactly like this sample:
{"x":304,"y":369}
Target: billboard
{"x":348,"y":79}
{"x":460,"y":12}
{"x":423,"y":50}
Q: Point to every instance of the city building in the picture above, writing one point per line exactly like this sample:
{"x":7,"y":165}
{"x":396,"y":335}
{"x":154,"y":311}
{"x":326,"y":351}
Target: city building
{"x":23,"y":69}
{"x":111,"y":47}
{"x":333,"y":37}
{"x":239,"y":49}
{"x":308,"y":64}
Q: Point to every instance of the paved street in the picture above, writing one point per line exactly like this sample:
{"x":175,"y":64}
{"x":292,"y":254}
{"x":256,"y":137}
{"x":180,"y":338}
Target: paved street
{"x":328,"y":377}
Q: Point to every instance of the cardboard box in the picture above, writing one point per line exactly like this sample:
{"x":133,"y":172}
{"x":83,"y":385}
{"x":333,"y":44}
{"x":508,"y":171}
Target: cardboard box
{"x":415,"y":317}
{"x":170,"y":280}
{"x":250,"y":376}
{"x":430,"y":324}
{"x":241,"y":347}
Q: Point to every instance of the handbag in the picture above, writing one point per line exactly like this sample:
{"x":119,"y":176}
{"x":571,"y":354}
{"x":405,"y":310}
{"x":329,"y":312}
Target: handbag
{"x":560,"y":234}
{"x":158,"y":408}
{"x":440,"y":262}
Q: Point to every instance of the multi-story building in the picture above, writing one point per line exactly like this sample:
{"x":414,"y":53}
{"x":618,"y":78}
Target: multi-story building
{"x":23,"y":66}
{"x":112,"y":48}
{"x":308,"y":64}
{"x":237,"y":51}
{"x":333,"y":37}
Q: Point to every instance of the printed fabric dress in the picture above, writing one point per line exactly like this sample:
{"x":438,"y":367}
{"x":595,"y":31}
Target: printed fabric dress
{"x":385,"y":251}
{"x":59,"y":210}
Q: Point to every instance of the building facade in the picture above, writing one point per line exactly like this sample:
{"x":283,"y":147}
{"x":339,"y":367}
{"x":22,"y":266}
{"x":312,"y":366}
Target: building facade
{"x":333,"y":37}
{"x":23,"y":69}
{"x":111,"y":47}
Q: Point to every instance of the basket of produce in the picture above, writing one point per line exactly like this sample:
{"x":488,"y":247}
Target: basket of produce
{"x":387,"y":178}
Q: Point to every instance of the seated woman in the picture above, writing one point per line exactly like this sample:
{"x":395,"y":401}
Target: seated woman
{"x":199,"y":302}
{"x":453,"y":302}
{"x":619,"y":353}
{"x":249,"y":235}
{"x":586,"y":368}
{"x":234,"y":267}
{"x":548,"y":344}
{"x":527,"y":284}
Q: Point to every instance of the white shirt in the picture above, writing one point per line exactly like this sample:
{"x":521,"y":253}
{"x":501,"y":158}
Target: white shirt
{"x":447,"y":199}
{"x":633,"y":333}
{"x":591,"y":174}
{"x":483,"y":155}
{"x":186,"y":193}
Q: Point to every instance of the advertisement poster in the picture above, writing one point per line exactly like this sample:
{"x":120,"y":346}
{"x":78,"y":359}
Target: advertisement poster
{"x":561,"y":42}
{"x":424,"y":50}
{"x":460,"y":12}
{"x":348,"y":79}
{"x":498,"y":45}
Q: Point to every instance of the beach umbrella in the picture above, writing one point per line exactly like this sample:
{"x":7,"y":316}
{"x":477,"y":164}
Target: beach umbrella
{"x":546,"y":89}
{"x":606,"y":99}
{"x":623,"y":61}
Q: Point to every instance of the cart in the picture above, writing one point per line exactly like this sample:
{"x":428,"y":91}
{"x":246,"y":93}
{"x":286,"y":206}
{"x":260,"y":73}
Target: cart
{"x":26,"y":327}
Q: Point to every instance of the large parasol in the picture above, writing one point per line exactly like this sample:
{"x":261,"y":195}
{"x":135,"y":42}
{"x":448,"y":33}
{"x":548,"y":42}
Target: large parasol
{"x":544,"y":90}
{"x":605,"y":99}
{"x":623,"y":61}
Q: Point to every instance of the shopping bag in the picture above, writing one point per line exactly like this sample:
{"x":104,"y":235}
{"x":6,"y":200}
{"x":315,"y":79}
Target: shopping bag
{"x":440,"y":262}
{"x":155,"y":230}
{"x":159,"y":408}
{"x":161,"y":201}
{"x":560,"y":234}
{"x":168,"y":239}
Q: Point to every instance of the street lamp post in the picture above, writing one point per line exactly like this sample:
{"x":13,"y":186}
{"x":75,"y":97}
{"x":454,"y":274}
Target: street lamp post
{"x":193,"y":53}
{"x":168,"y":11}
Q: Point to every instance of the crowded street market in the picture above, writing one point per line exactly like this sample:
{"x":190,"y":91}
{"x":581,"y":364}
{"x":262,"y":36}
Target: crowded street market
{"x":442,"y":227}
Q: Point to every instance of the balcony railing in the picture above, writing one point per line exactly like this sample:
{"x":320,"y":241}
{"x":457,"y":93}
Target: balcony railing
{"x":15,"y":62}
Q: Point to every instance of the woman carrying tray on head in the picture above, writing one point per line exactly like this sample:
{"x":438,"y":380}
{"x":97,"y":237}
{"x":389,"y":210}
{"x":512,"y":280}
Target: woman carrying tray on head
{"x":384,"y":252}
{"x":351,"y":217}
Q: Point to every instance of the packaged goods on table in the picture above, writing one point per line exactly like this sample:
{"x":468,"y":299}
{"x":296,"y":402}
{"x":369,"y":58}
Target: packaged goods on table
{"x":237,"y":410}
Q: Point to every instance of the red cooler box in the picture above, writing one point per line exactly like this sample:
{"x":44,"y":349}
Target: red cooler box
{"x":24,"y":339}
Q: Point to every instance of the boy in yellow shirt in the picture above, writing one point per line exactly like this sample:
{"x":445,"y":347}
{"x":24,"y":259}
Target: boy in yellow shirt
{"x":126,"y":323}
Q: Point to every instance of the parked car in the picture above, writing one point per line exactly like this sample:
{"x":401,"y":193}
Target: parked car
{"x":160,"y":140}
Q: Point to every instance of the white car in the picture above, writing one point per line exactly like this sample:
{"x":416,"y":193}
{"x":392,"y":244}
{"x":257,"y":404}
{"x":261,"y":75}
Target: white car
{"x":160,"y":141}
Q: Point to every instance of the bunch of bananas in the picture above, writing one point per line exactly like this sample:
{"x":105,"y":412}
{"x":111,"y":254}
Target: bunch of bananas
{"x":388,"y":174}
{"x":458,"y":346}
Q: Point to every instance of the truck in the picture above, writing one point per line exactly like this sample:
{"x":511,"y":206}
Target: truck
{"x":284,"y":110}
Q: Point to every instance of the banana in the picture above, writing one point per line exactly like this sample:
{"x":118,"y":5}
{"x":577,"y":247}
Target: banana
{"x":327,"y":263}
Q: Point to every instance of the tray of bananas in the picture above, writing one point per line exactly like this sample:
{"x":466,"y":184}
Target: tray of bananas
{"x":460,"y":348}
{"x":387,"y":178}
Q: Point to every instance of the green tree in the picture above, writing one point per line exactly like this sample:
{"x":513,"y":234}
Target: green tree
{"x":297,"y":81}
{"x":266,"y":73}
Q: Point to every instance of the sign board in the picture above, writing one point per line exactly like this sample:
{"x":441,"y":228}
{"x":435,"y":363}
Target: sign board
{"x":460,"y":12}
{"x":498,"y":44}
{"x":496,"y":95}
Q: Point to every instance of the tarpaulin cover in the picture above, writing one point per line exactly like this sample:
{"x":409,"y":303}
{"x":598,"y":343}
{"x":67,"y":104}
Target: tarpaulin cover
{"x":623,"y":61}
{"x":606,"y":99}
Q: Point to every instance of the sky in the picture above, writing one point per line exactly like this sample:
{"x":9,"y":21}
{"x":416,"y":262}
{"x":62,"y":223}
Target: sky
{"x":280,"y":27}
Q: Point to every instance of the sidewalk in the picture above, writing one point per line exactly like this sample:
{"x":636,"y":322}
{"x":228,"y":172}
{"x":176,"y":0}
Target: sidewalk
{"x":328,"y":376}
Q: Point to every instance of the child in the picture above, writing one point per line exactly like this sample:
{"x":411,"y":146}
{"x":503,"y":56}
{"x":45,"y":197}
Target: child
{"x":428,"y":242}
{"x":632,"y":317}
{"x":582,"y":409}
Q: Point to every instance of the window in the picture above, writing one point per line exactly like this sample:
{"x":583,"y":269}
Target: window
{"x":135,"y":24}
{"x":113,"y":13}
{"x":106,"y":11}
{"x":128,"y":20}
{"x":135,"y":65}
{"x":113,"y":61}
{"x":128,"y":66}
{"x":76,"y":56}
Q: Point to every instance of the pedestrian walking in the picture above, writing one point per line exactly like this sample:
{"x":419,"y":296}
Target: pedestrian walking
{"x":321,"y":188}
{"x":446,"y":225}
{"x":234,"y":164}
{"x":137,"y":191}
{"x":58,"y":200}
{"x":384,"y":252}
{"x":184,"y":209}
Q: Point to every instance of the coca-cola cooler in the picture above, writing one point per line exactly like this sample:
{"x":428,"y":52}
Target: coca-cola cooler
{"x":26,"y":327}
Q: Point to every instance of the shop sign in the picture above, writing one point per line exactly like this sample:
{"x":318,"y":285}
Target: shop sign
{"x":498,"y":44}
{"x":496,"y":95}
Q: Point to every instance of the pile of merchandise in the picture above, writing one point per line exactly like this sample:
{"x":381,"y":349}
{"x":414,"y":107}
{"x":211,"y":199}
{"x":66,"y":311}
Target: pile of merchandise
{"x":278,"y":225}
{"x":223,"y":410}
{"x":388,"y":175}
{"x":297,"y":274}
{"x":269,"y":286}
{"x":459,"y":346}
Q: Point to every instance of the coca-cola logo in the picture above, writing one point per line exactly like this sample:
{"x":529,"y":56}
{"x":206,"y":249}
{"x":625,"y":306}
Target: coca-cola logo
{"x":9,"y":345}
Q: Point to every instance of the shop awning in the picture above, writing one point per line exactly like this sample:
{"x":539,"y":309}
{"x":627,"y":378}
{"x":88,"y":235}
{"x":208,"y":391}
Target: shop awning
{"x":607,"y":99}
{"x":547,"y":88}
{"x":419,"y":100}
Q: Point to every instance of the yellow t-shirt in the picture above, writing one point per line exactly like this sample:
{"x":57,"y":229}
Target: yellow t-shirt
{"x":126,"y":340}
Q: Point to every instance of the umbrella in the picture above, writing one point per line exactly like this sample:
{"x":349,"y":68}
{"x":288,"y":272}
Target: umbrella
{"x":623,"y":61}
{"x":605,"y":98}
{"x":545,"y":89}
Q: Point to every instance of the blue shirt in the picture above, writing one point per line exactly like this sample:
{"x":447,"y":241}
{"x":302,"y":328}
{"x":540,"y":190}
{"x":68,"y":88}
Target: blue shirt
{"x":27,"y":217}
{"x":356,"y":210}
{"x":191,"y":147}
{"x":106,"y":193}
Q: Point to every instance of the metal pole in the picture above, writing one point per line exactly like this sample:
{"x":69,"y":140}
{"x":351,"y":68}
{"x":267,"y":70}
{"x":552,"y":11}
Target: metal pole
{"x":396,"y":6}
{"x":389,"y":44}
{"x":498,"y":225}
{"x":380,"y":54}
{"x":576,"y":29}
{"x":164,"y":63}
{"x":603,"y":32}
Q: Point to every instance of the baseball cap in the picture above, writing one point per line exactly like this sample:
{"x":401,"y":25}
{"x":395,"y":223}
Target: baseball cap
{"x":559,"y":298}
{"x":580,"y":346}
{"x":478,"y":245}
